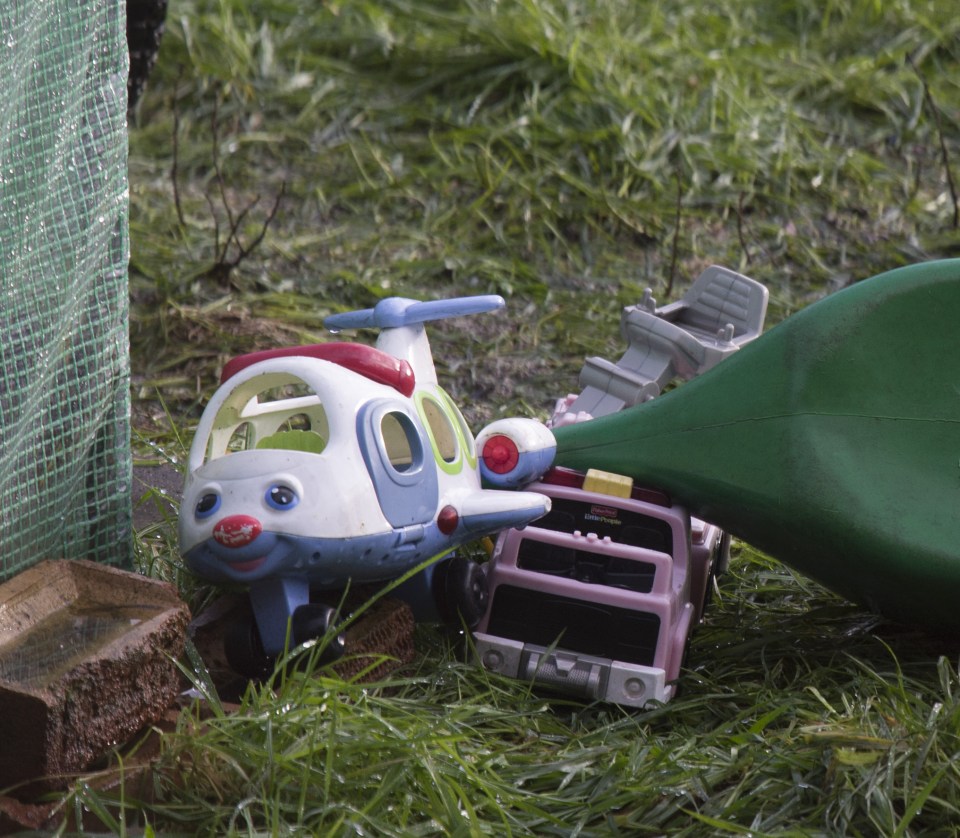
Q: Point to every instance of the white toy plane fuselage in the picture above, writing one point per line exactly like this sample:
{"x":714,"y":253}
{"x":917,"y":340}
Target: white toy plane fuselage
{"x":314,"y":467}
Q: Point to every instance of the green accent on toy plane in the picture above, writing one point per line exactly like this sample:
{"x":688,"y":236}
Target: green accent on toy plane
{"x":308,"y":441}
{"x":832,"y":442}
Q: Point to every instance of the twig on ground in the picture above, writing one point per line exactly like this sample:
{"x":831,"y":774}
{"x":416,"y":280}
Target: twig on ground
{"x":223,"y":266}
{"x":674,"y":254}
{"x":740,"y":232}
{"x":174,"y":172}
{"x":944,"y":155}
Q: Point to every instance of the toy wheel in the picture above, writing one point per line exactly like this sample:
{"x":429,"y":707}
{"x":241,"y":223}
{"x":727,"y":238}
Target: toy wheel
{"x":244,"y":650}
{"x":313,"y":621}
{"x":721,"y":561}
{"x":460,"y":590}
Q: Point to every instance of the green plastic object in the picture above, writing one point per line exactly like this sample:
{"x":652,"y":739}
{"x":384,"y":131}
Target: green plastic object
{"x":65,"y":462}
{"x":832,"y":442}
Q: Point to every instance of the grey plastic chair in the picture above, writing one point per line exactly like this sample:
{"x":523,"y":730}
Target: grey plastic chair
{"x":719,"y":313}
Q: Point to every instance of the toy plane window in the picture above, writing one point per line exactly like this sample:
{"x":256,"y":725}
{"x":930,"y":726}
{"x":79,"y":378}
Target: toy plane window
{"x":466,"y":435}
{"x":401,"y":442}
{"x":441,"y":430}
{"x":272,"y":411}
{"x":241,"y":439}
{"x":296,"y":433}
{"x":292,"y":390}
{"x":297,"y":422}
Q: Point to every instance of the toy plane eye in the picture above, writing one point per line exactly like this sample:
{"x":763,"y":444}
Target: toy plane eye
{"x":282,"y":497}
{"x":207,"y":505}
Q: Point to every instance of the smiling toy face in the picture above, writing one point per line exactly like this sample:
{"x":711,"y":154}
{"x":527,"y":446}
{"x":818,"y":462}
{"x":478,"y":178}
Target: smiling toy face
{"x":259,"y":513}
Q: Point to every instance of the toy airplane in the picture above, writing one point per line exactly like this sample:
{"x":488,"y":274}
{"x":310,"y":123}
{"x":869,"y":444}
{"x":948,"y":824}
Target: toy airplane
{"x":316,"y":467}
{"x":831,"y":442}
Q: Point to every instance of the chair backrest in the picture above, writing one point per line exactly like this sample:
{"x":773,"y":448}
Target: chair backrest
{"x":720,"y":297}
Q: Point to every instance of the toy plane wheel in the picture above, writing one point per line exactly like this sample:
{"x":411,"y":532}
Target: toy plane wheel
{"x":244,"y":650}
{"x":460,"y":591}
{"x":313,"y":621}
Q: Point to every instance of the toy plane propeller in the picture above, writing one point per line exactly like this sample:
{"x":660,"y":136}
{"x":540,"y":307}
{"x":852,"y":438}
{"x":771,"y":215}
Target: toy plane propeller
{"x":317,"y":466}
{"x":831,"y":442}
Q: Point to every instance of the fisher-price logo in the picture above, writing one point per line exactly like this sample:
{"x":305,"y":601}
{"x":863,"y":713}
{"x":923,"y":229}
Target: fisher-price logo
{"x":604,"y":514}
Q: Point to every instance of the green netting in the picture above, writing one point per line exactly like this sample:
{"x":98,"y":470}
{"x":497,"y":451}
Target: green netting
{"x":64,"y":392}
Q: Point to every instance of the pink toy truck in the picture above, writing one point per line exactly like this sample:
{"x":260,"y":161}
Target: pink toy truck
{"x":598,"y":597}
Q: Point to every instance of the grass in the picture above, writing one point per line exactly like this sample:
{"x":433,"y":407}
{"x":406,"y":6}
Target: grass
{"x":566,"y":154}
{"x":562,"y":154}
{"x":800,"y":715}
{"x":449,"y":750}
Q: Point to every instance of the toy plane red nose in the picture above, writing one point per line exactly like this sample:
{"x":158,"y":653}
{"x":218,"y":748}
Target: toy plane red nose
{"x":237,"y":530}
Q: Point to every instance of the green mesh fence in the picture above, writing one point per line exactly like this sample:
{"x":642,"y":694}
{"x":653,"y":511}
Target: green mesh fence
{"x":64,"y":393}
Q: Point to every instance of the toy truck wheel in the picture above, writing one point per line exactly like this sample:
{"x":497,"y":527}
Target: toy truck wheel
{"x":719,"y":563}
{"x":722,"y":561}
{"x":460,"y":591}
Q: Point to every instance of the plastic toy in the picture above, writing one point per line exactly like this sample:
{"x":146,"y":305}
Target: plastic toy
{"x":721,"y":312}
{"x":832,"y":442}
{"x":321,"y":466}
{"x":599,"y":597}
